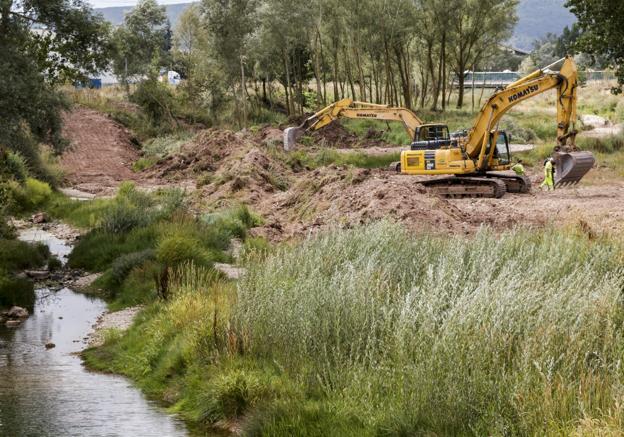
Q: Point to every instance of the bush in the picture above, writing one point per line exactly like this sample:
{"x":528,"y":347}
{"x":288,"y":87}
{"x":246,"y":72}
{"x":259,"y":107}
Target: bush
{"x":156,"y":101}
{"x":122,"y":217}
{"x":16,"y":291}
{"x":16,"y":166}
{"x":123,"y":265}
{"x":174,"y":250}
{"x":37,"y":192}
{"x":19,"y":255}
{"x":97,"y":250}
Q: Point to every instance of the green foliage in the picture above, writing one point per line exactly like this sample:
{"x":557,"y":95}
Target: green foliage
{"x":31,"y":64}
{"x":370,"y":340}
{"x":16,"y":291}
{"x":16,"y":166}
{"x":97,"y":250}
{"x":156,"y":100}
{"x":602,"y":29}
{"x":369,"y":323}
{"x":137,"y":236}
{"x":139,"y":40}
{"x":610,"y":144}
{"x":177,"y":249}
{"x":122,"y":266}
{"x":18,"y":255}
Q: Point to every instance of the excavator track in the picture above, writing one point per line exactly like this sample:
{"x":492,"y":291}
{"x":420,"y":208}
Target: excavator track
{"x":515,"y":183}
{"x":462,"y":187}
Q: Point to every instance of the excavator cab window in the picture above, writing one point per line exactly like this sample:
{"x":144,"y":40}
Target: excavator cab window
{"x":502,"y":148}
{"x":432,"y":132}
{"x":431,"y":137}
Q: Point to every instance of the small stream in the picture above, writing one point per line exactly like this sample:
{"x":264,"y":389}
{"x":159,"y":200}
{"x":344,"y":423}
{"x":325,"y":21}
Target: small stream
{"x":49,"y":392}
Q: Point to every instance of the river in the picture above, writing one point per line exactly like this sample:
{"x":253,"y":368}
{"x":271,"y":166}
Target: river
{"x":48,"y":392}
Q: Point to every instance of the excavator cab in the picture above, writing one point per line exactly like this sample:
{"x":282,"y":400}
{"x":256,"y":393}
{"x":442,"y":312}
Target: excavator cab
{"x":502,"y":153}
{"x":431,"y":137}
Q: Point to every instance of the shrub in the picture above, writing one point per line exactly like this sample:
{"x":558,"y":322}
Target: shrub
{"x":122,"y":266}
{"x":16,"y":291}
{"x":176,"y":249}
{"x":37,"y":192}
{"x":156,"y":101}
{"x":19,"y":255}
{"x":16,"y":166}
{"x":122,"y":217}
{"x":54,"y":264}
{"x":97,"y":250}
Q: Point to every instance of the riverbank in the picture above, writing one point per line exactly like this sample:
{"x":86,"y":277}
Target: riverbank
{"x":44,"y":387}
{"x":349,"y":333}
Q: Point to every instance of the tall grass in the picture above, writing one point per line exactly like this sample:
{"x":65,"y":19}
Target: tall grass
{"x":517,"y":334}
{"x":375,"y":331}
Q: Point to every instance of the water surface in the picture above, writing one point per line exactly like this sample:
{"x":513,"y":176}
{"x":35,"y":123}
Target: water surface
{"x":49,"y":392}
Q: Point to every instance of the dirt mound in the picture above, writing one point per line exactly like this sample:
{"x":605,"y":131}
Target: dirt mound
{"x":101,"y":152}
{"x":345,"y":196}
{"x":337,"y":136}
{"x":204,"y":153}
{"x":250,"y":176}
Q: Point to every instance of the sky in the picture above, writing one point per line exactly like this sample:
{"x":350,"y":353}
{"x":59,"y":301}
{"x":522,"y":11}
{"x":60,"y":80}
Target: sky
{"x":110,"y":3}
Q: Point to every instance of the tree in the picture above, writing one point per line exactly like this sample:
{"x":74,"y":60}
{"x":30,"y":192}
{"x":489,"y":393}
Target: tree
{"x":602,"y":26}
{"x":230,"y":24}
{"x":477,"y":26}
{"x":42,"y":43}
{"x":141,"y":38}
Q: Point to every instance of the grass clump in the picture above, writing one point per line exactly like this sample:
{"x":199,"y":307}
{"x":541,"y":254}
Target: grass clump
{"x":138,"y":237}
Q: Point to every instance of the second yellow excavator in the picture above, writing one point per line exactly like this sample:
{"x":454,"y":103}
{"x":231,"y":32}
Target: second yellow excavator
{"x":476,"y":161}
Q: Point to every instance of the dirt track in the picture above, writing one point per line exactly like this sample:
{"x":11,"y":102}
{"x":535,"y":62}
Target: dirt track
{"x":101,"y":153}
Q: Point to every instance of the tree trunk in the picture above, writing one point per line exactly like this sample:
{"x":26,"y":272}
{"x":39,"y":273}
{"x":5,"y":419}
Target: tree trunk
{"x":287,"y":84}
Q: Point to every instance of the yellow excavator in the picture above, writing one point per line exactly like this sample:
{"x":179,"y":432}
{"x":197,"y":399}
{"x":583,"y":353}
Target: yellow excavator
{"x":476,"y":161}
{"x":347,"y":108}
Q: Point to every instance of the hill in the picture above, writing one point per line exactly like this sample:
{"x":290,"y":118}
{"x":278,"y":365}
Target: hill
{"x":536,"y":18}
{"x":116,"y":14}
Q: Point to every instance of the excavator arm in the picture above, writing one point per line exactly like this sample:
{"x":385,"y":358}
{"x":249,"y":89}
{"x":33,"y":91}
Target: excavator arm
{"x":477,"y":145}
{"x":348,"y":108}
{"x":571,"y":165}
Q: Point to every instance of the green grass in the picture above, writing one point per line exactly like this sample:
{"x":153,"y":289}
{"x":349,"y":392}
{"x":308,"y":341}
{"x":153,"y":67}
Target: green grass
{"x":375,"y":331}
{"x":136,"y":237}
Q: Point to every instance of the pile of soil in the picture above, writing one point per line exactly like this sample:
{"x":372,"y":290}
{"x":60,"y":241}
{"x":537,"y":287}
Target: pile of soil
{"x":204,"y":153}
{"x":344,"y":196}
{"x":337,"y":136}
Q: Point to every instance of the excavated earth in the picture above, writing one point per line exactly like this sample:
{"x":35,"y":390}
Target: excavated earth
{"x":226,"y":168}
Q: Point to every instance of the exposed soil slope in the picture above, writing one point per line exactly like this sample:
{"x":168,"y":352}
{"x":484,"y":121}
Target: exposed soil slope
{"x":100,"y":154}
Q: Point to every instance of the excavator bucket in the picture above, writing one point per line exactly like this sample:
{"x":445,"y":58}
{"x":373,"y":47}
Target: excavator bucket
{"x":291,"y":136}
{"x":571,"y":167}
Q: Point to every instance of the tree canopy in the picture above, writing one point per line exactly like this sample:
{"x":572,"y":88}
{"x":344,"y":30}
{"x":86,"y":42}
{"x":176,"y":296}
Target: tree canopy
{"x":602,"y":26}
{"x":43,"y":42}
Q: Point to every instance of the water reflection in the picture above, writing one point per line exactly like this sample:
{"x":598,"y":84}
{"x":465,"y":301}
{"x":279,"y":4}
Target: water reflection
{"x":49,"y":393}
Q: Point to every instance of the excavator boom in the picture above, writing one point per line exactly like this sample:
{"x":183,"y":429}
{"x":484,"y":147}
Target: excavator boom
{"x":348,"y":108}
